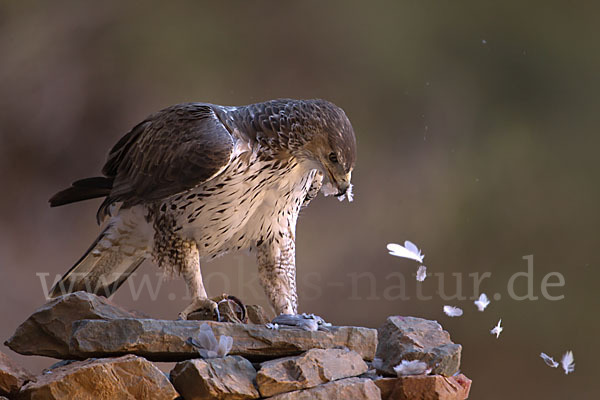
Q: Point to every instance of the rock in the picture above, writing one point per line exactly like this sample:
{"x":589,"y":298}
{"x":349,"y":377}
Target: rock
{"x":257,"y":315}
{"x":409,"y":338}
{"x":215,"y":378}
{"x":127,"y":377}
{"x":424,"y":387}
{"x":315,"y":367}
{"x":349,"y":388}
{"x":47,"y":331}
{"x":159,"y":340}
{"x":12,"y":376}
{"x":386,"y":387}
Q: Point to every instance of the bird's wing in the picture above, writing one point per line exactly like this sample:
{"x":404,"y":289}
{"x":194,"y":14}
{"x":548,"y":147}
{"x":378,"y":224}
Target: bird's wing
{"x":173,"y":150}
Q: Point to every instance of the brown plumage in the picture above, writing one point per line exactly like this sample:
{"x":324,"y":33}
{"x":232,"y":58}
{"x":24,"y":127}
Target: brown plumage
{"x":197,"y":180}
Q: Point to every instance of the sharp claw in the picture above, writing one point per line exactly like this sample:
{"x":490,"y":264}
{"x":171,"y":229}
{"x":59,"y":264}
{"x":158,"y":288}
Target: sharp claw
{"x":200,"y":304}
{"x":217,"y":313}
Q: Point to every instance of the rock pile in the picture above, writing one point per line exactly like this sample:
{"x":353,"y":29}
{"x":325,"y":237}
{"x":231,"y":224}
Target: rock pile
{"x":109,"y":353}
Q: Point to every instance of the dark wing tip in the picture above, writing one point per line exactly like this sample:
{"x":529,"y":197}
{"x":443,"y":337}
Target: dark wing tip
{"x":83,"y":189}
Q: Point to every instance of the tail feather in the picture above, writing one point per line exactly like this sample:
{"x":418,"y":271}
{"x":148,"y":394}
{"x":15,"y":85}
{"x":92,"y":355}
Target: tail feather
{"x":99,"y":271}
{"x":83,"y":189}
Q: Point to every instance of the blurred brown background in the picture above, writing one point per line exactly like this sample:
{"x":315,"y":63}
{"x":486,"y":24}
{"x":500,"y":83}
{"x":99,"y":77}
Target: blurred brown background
{"x":477,"y":125}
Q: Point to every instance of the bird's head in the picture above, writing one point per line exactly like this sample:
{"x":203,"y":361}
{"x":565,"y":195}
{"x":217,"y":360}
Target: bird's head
{"x":333,"y":147}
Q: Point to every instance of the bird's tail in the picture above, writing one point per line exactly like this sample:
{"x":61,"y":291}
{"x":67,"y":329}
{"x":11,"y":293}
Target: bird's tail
{"x":100,"y":271}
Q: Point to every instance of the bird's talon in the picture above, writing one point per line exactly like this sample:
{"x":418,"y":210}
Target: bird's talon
{"x":200,"y":304}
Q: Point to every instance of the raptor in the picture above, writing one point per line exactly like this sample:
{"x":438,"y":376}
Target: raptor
{"x":197,"y":180}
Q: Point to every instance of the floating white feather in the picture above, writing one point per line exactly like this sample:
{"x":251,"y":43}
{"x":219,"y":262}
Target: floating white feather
{"x":497,"y":329}
{"x":453,"y":311}
{"x":421,"y":273}
{"x":409,"y":250}
{"x":482,"y":302}
{"x":549,"y":360}
{"x":568,"y":362}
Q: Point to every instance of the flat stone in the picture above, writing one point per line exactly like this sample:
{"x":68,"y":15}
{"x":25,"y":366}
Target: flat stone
{"x":315,"y":367}
{"x":410,"y":338}
{"x":215,"y":378}
{"x":127,"y":377}
{"x":47,"y":331}
{"x":160,"y":340}
{"x":424,"y":387}
{"x":12,"y":376}
{"x":349,"y":388}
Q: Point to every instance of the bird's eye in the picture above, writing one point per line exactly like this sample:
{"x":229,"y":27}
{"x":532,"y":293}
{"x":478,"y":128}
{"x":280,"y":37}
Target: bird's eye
{"x":333,"y":158}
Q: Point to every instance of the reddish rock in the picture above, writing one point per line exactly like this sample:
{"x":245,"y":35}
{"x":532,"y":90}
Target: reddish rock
{"x":349,"y":388}
{"x":425,"y":387}
{"x":124,"y":378}
{"x":386,"y":386}
{"x":12,"y":376}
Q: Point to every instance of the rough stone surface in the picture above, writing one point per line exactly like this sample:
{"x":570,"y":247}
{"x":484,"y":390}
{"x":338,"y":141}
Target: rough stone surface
{"x":48,"y":330}
{"x":349,"y":388}
{"x":216,"y":378}
{"x":386,"y":387}
{"x":410,"y":338}
{"x":159,"y":340}
{"x":12,"y":376}
{"x":257,"y":315}
{"x":425,"y":387}
{"x":315,"y":367}
{"x":129,"y":377}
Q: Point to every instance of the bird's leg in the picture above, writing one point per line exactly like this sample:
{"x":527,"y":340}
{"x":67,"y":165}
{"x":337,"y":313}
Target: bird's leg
{"x":192,"y":275}
{"x":277,"y":272}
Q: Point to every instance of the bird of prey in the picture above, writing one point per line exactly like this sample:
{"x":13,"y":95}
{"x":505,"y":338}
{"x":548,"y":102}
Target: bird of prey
{"x":198,"y":180}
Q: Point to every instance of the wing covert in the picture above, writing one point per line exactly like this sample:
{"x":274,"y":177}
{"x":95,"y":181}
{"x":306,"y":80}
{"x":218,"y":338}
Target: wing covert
{"x":172,"y":151}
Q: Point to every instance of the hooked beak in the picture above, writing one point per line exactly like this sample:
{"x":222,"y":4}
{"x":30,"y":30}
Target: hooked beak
{"x":341,"y":184}
{"x":342,"y":187}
